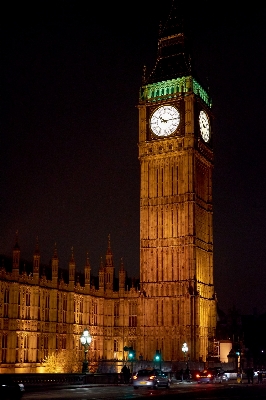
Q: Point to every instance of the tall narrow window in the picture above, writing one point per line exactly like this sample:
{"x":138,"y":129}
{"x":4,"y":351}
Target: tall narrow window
{"x":27,"y":305}
{"x":80,"y":320}
{"x":17,"y":348}
{"x":47,"y":307}
{"x":172,"y":223}
{"x":157,"y":182}
{"x":132,"y":314}
{"x":173,"y":314}
{"x":64,"y":310}
{"x":6,"y":303}
{"x":162,"y":270}
{"x":162,"y":224}
{"x":148,"y":179}
{"x":64,"y":342}
{"x":45,"y":346}
{"x":19,"y":309}
{"x":25,"y":348}
{"x":162,"y":183}
{"x":39,"y":307}
{"x":172,"y":180}
{"x":157,"y":265}
{"x":94,"y":314}
{"x":177,"y":180}
{"x":38,"y":348}
{"x":4,"y":348}
{"x":177,"y":227}
{"x":157,"y":222}
{"x":58,"y":308}
{"x":116,"y":314}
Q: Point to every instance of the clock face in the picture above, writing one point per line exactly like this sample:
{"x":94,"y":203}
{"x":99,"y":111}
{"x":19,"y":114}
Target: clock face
{"x":204,"y":125}
{"x":164,"y":120}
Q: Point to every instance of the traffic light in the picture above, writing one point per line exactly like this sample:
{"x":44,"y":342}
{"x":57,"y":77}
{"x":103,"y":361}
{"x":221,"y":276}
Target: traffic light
{"x":131,"y":354}
{"x":157,"y":356}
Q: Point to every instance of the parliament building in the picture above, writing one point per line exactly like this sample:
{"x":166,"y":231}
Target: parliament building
{"x":44,"y":312}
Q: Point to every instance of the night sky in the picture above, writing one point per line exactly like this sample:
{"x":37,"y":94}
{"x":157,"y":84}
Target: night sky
{"x":70,"y":79}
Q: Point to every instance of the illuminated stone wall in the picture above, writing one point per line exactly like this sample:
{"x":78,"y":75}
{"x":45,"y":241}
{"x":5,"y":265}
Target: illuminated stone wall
{"x":176,"y":233}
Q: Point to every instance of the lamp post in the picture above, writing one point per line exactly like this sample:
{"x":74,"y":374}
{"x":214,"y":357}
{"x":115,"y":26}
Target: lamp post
{"x":185,"y":350}
{"x":85,"y":340}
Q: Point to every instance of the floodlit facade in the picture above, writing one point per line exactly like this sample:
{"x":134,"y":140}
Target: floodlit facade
{"x":43,"y":313}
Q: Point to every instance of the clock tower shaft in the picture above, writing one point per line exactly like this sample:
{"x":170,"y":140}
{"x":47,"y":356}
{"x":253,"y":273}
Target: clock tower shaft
{"x":176,"y":216}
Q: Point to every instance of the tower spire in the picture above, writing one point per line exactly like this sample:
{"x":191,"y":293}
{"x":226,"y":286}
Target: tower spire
{"x":174,"y":22}
{"x":173,"y":57}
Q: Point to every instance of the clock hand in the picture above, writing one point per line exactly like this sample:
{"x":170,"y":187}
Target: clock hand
{"x":166,"y":120}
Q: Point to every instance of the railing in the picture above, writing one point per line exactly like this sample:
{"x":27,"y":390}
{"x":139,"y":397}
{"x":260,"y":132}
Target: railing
{"x":50,"y":379}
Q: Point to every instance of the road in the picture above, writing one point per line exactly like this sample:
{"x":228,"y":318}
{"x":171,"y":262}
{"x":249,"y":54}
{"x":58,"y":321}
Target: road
{"x":191,"y":391}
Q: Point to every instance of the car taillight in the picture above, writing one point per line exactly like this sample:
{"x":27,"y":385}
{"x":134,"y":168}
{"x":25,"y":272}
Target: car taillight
{"x":209,"y":375}
{"x":135,"y":377}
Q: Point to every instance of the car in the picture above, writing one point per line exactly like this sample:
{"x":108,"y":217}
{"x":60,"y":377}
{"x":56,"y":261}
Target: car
{"x":151,"y":378}
{"x":211,"y":376}
{"x":10,"y":389}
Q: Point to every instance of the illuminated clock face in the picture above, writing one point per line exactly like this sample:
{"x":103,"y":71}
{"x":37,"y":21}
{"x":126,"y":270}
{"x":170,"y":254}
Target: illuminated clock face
{"x":204,"y":124}
{"x":164,"y":120}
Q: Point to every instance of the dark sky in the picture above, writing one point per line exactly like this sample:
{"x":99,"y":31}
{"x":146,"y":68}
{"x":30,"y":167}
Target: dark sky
{"x":70,"y":78}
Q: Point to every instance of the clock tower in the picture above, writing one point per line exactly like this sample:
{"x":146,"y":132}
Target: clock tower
{"x":176,"y":211}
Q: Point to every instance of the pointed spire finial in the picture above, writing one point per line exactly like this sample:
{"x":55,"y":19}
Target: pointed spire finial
{"x":87,"y":260}
{"x":55,"y":250}
{"x":37,"y":249}
{"x":144,"y":75}
{"x":72,"y":253}
{"x":109,"y":251}
{"x":121,"y":264}
{"x":160,"y":28}
{"x":16,"y":241}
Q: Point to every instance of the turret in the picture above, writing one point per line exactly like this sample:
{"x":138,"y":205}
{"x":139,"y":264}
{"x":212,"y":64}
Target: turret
{"x":16,"y":258}
{"x":109,"y":267}
{"x":55,"y":262}
{"x":101,"y":275}
{"x":122,"y":276}
{"x":72,"y":267}
{"x":87,"y":271}
{"x":36,"y":261}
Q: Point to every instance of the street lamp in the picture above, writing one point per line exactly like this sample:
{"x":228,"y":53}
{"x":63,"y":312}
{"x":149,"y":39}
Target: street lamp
{"x":185,"y":350}
{"x":85,"y":340}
